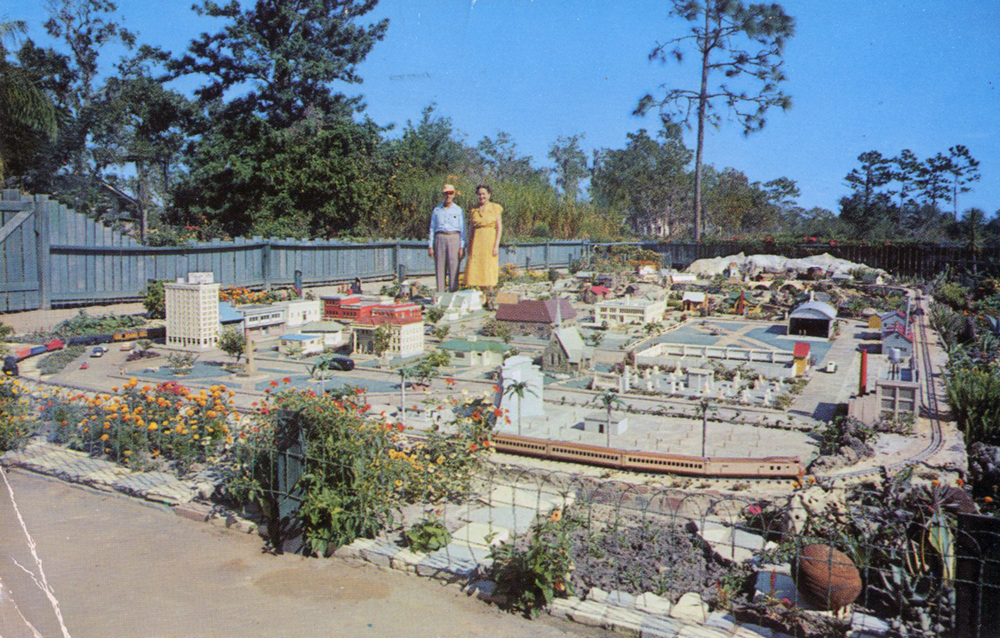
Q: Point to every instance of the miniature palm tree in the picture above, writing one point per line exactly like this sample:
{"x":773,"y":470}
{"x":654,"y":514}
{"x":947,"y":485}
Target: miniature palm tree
{"x":704,"y":406}
{"x":518,"y":388}
{"x":609,"y":400}
{"x":321,"y":370}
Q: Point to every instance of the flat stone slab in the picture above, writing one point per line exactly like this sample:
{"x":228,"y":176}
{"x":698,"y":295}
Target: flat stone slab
{"x":540,"y":500}
{"x":480,"y":535}
{"x":510,"y":517}
{"x":455,"y":560}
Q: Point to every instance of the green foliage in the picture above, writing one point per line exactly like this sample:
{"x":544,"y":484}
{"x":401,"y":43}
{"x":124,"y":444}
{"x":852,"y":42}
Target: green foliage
{"x":974,"y":397}
{"x":233,"y":342}
{"x":953,"y":295}
{"x":154,"y":300}
{"x":58,"y":360}
{"x":434,"y":314}
{"x":532,"y":572}
{"x":441,"y":333}
{"x":429,"y":535}
{"x":438,"y":358}
{"x":844,"y":431}
{"x":83,"y":324}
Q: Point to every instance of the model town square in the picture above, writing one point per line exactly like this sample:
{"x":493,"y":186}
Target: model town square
{"x":596,"y":355}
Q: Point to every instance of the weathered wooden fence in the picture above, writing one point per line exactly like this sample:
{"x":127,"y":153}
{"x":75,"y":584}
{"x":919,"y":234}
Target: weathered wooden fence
{"x":52,"y":255}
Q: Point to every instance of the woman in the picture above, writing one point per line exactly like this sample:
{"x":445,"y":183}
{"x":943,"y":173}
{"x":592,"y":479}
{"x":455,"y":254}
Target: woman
{"x":482,"y":270}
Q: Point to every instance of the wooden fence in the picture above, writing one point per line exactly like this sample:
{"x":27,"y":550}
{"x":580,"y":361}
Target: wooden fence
{"x":51,"y":255}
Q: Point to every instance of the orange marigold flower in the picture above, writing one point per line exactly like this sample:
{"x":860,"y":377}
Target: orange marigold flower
{"x":988,"y":499}
{"x":105,"y":437}
{"x":556,"y":516}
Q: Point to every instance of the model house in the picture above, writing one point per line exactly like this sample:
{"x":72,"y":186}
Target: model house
{"x":595,"y":294}
{"x":628,"y":310}
{"x":694,"y":302}
{"x":566,"y":352}
{"x":459,"y":304}
{"x":886,"y":322}
{"x":536,"y":317}
{"x":333,"y":333}
{"x":900,"y":339}
{"x":300,"y":345}
{"x":348,"y":308}
{"x":266,"y":318}
{"x":800,"y":354}
{"x":473,"y":353}
{"x":192,"y":309}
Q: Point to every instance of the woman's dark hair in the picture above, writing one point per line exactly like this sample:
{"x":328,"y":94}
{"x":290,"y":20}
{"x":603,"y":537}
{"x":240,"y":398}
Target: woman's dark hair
{"x":486,"y":186}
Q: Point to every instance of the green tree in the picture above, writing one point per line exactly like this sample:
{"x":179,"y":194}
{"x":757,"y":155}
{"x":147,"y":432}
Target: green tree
{"x":381,"y":340}
{"x":85,"y":27}
{"x":647,"y":181}
{"x":964,"y":170}
{"x":739,"y":42}
{"x":26,"y":111}
{"x":283,"y":56}
{"x":571,"y":165}
{"x":139,"y":127}
{"x":233,"y":341}
{"x":154,"y":300}
{"x":933,"y":179}
{"x":518,"y":389}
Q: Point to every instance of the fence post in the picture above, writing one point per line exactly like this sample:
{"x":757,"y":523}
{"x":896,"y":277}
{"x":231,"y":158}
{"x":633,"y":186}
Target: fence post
{"x":547,"y":254}
{"x":266,"y":264}
{"x":42,"y":242}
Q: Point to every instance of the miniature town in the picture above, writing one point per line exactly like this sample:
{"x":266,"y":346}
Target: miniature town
{"x":745,"y":379}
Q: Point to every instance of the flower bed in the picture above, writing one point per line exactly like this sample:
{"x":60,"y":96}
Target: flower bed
{"x":142,"y":427}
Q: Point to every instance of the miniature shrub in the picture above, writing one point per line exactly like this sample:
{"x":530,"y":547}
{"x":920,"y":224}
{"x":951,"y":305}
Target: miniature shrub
{"x":85,"y":325}
{"x":434,"y":315}
{"x":428,"y":535}
{"x":58,"y":360}
{"x":15,"y":425}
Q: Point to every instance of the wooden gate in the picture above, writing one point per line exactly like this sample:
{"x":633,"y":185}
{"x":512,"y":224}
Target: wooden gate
{"x":23,"y":252}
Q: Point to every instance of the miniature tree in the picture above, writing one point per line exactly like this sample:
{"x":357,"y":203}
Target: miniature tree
{"x":233,"y":342}
{"x":609,"y":400}
{"x":518,"y":388}
{"x":381,"y":340}
{"x":441,"y":332}
{"x":182,"y":362}
{"x":596,"y":338}
{"x":321,"y":370}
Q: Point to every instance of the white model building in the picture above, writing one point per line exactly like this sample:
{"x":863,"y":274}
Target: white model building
{"x":517,"y":369}
{"x":629,"y":311}
{"x":300,"y":345}
{"x":302,"y":311}
{"x":192,"y":309}
{"x":331,"y":331}
{"x":263,"y":316}
{"x":461,"y":303}
{"x":407,"y":339}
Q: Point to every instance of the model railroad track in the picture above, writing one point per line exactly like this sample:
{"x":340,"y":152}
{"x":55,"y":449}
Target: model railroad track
{"x":930,"y":401}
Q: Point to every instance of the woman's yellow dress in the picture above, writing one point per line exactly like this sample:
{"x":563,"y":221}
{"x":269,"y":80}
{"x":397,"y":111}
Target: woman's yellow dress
{"x":483,"y":268}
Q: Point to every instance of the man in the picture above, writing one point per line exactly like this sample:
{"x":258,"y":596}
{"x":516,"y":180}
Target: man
{"x":446,"y":244}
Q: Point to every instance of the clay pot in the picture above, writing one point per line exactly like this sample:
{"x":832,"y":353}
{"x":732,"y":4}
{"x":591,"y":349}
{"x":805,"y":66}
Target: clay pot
{"x":826,"y":578}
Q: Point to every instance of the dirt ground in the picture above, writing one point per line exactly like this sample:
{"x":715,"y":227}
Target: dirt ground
{"x":119,"y":567}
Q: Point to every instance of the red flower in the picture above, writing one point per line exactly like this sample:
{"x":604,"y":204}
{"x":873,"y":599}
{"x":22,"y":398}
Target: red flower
{"x":359,"y":391}
{"x":498,"y":412}
{"x":496,"y":388}
{"x":286,"y":380}
{"x":754,"y":510}
{"x":254,"y":404}
{"x":274,"y":384}
{"x":473,"y":447}
{"x":450,"y":381}
{"x":486,"y":443}
{"x":400,"y":427}
{"x":476,"y":416}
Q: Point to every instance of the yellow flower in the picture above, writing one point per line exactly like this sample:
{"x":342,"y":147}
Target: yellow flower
{"x":152,"y":426}
{"x":105,"y":437}
{"x":556,"y":516}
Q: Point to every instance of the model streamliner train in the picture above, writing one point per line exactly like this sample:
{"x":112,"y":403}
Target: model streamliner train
{"x":780,"y":467}
{"x":10,"y":361}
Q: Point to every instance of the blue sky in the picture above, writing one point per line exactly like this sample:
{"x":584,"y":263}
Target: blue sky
{"x":863,"y":75}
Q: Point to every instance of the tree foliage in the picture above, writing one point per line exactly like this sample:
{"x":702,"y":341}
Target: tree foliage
{"x":744,"y":44}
